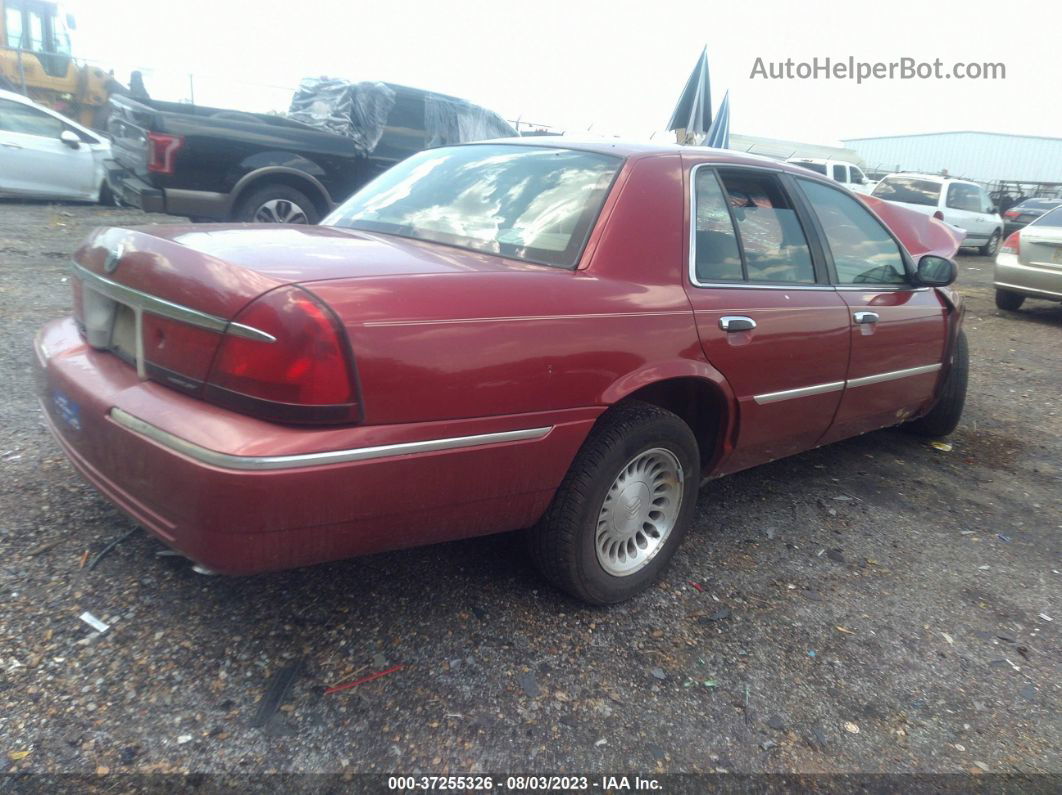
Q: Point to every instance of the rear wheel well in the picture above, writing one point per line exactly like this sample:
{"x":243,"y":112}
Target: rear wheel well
{"x":698,"y":403}
{"x":313,"y":192}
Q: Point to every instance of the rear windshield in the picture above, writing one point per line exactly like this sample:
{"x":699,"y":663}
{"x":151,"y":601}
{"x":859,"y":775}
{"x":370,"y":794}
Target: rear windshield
{"x":909,"y":190}
{"x":1037,"y":204}
{"x":525,"y":202}
{"x":1053,"y":218}
{"x":818,"y":168}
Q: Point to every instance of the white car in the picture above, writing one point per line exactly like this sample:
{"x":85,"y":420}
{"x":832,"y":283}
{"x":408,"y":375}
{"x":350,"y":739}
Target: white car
{"x":848,"y":174}
{"x":957,"y":202}
{"x":45,"y":155}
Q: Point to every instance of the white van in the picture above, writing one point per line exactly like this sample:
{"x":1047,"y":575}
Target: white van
{"x":849,"y":175}
{"x":955,"y":201}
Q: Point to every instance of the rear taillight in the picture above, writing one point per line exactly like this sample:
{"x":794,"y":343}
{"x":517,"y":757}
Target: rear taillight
{"x":176,"y":353}
{"x":305,"y":374}
{"x":1011,"y":214}
{"x":938,"y":215}
{"x":162,"y":150}
{"x":1012,"y":245}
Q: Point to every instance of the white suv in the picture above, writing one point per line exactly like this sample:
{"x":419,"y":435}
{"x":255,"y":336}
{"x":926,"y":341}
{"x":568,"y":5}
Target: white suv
{"x":962,"y":204}
{"x":851,"y":176}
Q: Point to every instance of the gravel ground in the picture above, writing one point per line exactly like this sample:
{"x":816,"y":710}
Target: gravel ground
{"x":877,"y":605}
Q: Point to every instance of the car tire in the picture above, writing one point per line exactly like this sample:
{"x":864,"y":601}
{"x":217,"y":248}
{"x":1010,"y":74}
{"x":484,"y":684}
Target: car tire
{"x":990,"y":248}
{"x":944,"y":417}
{"x":635,"y":478}
{"x":107,"y":197}
{"x":1011,"y":302}
{"x":277,"y":204}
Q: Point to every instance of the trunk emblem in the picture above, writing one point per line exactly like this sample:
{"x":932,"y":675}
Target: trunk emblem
{"x":110,"y":265}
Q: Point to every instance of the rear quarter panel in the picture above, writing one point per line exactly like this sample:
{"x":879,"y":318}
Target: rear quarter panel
{"x":531,"y":338}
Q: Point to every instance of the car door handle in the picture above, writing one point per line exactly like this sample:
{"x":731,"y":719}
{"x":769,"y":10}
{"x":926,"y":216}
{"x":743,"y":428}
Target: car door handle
{"x":736,"y":323}
{"x":865,"y":317}
{"x":12,"y":146}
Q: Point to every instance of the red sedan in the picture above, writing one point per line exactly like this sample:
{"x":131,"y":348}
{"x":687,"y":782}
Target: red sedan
{"x":564,"y":337}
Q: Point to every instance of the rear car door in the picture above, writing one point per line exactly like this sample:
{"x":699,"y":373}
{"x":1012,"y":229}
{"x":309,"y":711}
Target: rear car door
{"x":963,"y":207}
{"x":767,"y":317}
{"x":34,"y":162}
{"x":898,"y":331}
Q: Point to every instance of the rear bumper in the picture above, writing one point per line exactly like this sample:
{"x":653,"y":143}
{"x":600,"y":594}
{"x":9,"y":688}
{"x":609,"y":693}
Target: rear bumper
{"x":131,"y":190}
{"x":1037,"y":282}
{"x":239,"y":495}
{"x":134,"y":191}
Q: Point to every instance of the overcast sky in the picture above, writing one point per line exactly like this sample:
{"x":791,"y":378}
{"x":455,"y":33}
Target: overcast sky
{"x":616,"y":66}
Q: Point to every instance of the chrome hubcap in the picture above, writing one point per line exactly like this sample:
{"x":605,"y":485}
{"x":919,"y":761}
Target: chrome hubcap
{"x":280,"y":211}
{"x":639,"y":512}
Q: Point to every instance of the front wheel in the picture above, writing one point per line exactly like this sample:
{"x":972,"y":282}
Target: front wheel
{"x":623,"y":508}
{"x":944,"y":417}
{"x":990,"y":248}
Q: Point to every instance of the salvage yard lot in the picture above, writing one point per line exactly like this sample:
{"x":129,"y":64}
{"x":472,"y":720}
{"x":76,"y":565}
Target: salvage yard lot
{"x":876,"y":605}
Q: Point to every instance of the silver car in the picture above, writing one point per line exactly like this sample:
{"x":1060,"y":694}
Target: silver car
{"x":45,"y":155}
{"x":1029,"y":264}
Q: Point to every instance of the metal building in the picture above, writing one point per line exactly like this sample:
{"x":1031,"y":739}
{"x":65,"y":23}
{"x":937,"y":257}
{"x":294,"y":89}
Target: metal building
{"x":979,"y":156}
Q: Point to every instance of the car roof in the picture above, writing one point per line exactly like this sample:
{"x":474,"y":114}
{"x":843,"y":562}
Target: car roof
{"x":930,"y":177}
{"x":639,"y":149}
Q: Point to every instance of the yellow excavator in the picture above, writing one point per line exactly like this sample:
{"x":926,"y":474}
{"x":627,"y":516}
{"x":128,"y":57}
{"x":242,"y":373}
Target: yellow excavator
{"x":36,"y":60}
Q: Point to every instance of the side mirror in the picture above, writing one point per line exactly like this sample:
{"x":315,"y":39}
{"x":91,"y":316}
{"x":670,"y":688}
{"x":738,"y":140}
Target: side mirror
{"x":70,"y":139}
{"x":71,"y":21}
{"x":934,"y":271}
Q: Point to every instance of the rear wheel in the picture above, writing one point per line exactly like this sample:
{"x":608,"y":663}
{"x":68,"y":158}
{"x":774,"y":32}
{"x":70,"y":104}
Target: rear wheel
{"x":944,"y":417}
{"x":1009,"y":301}
{"x":277,"y":204}
{"x":990,"y":248}
{"x":623,"y":508}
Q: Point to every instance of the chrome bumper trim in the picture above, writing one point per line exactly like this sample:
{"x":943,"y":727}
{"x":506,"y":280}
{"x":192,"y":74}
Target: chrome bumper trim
{"x":259,"y":463}
{"x":145,"y":302}
{"x":804,"y":391}
{"x":878,"y":378}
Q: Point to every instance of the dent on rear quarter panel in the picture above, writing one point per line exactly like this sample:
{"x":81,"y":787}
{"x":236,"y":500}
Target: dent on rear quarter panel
{"x":527,"y":338}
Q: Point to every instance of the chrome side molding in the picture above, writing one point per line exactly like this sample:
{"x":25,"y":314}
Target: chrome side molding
{"x":804,"y":391}
{"x":259,"y":463}
{"x":835,"y":386}
{"x":893,"y":375}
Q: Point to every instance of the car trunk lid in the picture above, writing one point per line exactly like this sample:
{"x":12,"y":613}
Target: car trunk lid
{"x":163,"y":297}
{"x":1042,"y":246}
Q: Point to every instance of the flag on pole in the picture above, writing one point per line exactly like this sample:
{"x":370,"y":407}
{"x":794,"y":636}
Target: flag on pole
{"x":693,"y":114}
{"x":719,"y":133}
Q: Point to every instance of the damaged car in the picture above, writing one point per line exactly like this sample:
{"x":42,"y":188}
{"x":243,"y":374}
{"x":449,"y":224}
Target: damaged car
{"x":565,"y":338}
{"x":212,"y":164}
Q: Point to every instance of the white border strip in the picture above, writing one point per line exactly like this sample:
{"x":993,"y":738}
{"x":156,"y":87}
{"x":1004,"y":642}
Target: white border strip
{"x":259,"y":463}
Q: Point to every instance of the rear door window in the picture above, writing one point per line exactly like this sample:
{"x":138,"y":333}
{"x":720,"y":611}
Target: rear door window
{"x":839,"y":173}
{"x":863,"y":251}
{"x":716,"y":254}
{"x":772,"y":239}
{"x":964,"y":197}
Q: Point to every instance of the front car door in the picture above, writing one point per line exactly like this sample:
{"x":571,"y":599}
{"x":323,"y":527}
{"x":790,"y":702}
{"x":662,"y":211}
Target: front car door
{"x":898,"y":331}
{"x":767,"y":317}
{"x":34,"y":162}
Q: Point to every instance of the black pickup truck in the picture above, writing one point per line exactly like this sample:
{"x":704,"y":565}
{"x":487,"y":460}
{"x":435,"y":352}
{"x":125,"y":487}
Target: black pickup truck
{"x":225,"y":165}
